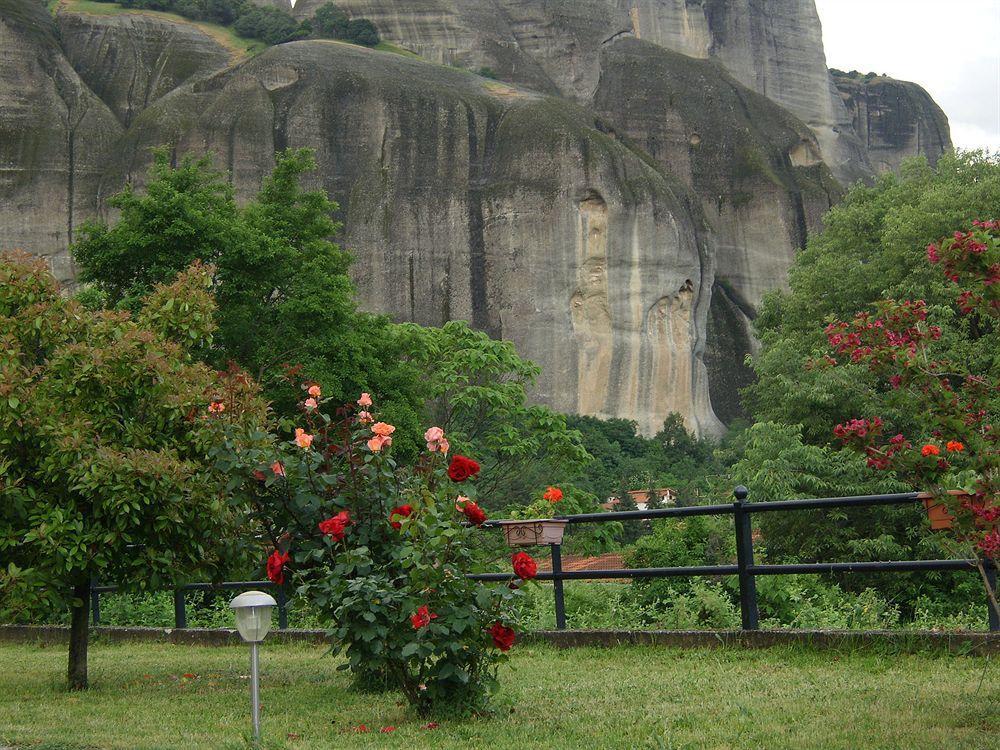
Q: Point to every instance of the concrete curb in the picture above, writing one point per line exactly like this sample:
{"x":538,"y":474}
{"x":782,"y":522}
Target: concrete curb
{"x":901,"y":641}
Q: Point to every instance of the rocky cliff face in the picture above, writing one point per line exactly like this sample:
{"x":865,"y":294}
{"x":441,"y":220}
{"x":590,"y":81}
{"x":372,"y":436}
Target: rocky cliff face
{"x":55,"y":138}
{"x":131,"y":60}
{"x":894,"y":119}
{"x":617,"y":207}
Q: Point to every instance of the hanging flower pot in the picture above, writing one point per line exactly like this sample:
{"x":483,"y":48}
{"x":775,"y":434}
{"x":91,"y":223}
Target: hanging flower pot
{"x":939,"y":514}
{"x":533,"y":532}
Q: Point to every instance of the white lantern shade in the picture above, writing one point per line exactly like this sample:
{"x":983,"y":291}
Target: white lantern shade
{"x":253,"y":615}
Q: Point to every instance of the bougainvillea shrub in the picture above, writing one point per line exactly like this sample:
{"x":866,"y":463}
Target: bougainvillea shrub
{"x":955,"y":445}
{"x":382,"y":550}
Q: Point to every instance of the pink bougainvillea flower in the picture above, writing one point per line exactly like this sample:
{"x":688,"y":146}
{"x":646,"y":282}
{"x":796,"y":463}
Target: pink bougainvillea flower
{"x":954,"y":446}
{"x":311,"y":403}
{"x":302,"y":438}
{"x":315,"y":391}
{"x":553,"y":494}
{"x":276,"y":567}
{"x":336,"y":526}
{"x":382,"y":429}
{"x":216,"y":407}
{"x":422,"y":617}
{"x":278,"y":468}
{"x":930,"y":450}
{"x":378,"y":442}
{"x":365,"y":401}
{"x":365,"y":418}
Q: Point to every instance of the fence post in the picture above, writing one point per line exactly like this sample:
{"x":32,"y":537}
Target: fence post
{"x":95,"y":603}
{"x":557,"y":586}
{"x":990,"y":567}
{"x":180,"y":616}
{"x":282,"y":609}
{"x":744,"y":559}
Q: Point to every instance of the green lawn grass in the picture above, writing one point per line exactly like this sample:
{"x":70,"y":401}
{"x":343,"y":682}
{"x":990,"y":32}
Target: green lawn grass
{"x":628,"y":697}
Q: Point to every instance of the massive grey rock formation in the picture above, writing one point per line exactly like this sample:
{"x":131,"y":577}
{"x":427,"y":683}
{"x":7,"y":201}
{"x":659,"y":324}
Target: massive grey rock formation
{"x":131,"y":60}
{"x":466,"y":198}
{"x":617,"y":206}
{"x":55,"y":138}
{"x":894,"y":119}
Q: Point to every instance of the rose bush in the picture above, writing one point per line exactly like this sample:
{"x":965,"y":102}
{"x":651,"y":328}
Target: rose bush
{"x":381,"y":550}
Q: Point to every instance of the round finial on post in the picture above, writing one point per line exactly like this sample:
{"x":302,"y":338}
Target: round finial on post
{"x":741,"y":493}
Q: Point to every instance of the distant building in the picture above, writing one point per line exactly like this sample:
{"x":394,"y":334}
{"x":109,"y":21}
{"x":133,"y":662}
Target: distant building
{"x":666,"y":496}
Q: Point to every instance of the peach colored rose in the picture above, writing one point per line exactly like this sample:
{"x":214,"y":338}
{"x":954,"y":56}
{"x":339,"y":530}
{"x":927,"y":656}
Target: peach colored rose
{"x":382,"y":429}
{"x":365,"y":401}
{"x":443,"y":445}
{"x":311,"y":403}
{"x":278,"y":468}
{"x":365,"y":418}
{"x":302,"y":438}
{"x":379,"y":442}
{"x":436,"y":440}
{"x":314,"y":391}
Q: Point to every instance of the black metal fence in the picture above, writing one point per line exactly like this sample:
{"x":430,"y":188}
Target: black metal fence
{"x":745,"y":568}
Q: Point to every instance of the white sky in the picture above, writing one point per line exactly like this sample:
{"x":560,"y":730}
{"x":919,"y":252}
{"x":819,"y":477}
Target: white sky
{"x":950,"y":47}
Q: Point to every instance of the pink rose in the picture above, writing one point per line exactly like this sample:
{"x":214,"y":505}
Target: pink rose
{"x":311,"y":403}
{"x":365,"y":401}
{"x":302,"y":439}
{"x":365,"y":418}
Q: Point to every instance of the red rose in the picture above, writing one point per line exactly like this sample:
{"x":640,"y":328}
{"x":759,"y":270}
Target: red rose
{"x":276,"y":567}
{"x":400,"y":511}
{"x":336,"y":526}
{"x":503,"y":637}
{"x":422,"y":617}
{"x":475,"y":515}
{"x":525,"y":566}
{"x":462,"y":468}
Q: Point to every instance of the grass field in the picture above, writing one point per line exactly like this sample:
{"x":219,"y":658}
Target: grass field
{"x":582,"y":698}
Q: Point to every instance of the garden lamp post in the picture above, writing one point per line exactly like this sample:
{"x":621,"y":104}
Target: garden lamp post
{"x":253,"y":620}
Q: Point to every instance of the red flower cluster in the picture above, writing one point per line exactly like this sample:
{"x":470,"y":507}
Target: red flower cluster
{"x":930,"y":450}
{"x":276,"y":567}
{"x":503,"y":637}
{"x":858,"y":429}
{"x":336,"y":526}
{"x":400,"y":511}
{"x":422,"y":617}
{"x":553,"y":495}
{"x":462,"y":468}
{"x":525,"y":566}
{"x":473,"y":513}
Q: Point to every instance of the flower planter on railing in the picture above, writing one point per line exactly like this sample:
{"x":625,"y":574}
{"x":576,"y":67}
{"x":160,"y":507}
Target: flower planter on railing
{"x":533,"y":532}
{"x":940,"y":516}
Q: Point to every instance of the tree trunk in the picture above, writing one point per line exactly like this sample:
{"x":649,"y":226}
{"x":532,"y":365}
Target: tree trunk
{"x":79,"y":634}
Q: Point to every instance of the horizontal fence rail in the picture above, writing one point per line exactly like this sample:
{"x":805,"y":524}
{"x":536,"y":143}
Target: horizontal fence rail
{"x":745,"y":568}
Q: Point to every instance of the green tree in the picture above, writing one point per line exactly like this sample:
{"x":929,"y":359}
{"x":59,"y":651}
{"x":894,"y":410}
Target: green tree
{"x":476,"y":389}
{"x":104,"y":436}
{"x":362,"y":31}
{"x":330,"y":22}
{"x":872,"y":247}
{"x":282,"y":285}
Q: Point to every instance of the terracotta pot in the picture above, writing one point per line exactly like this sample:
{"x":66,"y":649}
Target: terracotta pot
{"x":533,"y":532}
{"x":939,"y":515}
